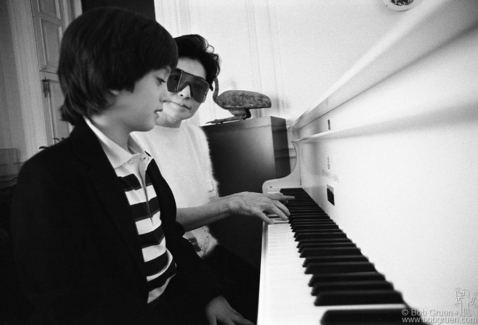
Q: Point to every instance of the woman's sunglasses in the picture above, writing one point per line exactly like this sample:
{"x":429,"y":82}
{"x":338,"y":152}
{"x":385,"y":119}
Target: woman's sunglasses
{"x":179,"y":79}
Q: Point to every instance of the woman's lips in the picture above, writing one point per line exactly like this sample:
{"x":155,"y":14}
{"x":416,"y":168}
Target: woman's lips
{"x":180,"y":105}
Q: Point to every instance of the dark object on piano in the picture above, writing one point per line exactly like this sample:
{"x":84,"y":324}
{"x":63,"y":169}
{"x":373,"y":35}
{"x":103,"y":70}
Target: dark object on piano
{"x":330,"y":194}
{"x":238,"y":102}
{"x":370,"y":316}
{"x":244,"y":155}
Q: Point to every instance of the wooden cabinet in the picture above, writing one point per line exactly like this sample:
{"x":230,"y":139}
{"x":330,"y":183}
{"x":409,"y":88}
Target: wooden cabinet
{"x":244,"y":155}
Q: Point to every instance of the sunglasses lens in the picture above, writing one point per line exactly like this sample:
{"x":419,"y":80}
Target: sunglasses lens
{"x":199,"y":90}
{"x":173,"y":81}
{"x":178,"y":80}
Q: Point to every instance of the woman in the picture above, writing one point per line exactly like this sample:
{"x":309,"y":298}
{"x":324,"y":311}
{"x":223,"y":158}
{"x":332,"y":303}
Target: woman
{"x":182,"y":154}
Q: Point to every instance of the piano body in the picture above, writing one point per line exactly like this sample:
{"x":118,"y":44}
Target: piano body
{"x":390,"y":155}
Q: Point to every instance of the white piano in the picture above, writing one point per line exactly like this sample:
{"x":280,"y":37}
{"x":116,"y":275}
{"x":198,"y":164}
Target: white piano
{"x":390,"y":155}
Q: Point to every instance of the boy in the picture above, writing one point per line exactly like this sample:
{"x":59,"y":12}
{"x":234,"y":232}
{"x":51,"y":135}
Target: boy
{"x":93,"y":220}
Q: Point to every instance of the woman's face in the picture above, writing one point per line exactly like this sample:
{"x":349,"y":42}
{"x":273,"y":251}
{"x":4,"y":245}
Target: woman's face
{"x":180,"y":105}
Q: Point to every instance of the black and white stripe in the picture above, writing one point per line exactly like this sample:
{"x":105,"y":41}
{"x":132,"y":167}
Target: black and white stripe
{"x":159,"y":264}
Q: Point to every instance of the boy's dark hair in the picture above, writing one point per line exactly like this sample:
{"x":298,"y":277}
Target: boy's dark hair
{"x":108,"y":49}
{"x":197,"y":48}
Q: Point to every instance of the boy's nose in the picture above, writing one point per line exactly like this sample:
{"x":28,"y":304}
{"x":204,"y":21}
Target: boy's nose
{"x":163,"y":94}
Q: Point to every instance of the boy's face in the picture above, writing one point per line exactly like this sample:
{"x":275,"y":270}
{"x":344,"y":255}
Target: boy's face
{"x":180,"y":105}
{"x":139,"y":110}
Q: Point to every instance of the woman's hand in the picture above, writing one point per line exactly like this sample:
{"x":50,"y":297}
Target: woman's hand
{"x":241,"y":204}
{"x":258,"y":205}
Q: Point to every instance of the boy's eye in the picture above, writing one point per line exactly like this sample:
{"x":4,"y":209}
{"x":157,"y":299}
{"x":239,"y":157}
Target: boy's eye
{"x":160,"y":80}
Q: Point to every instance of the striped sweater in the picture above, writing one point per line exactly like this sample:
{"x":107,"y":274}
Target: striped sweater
{"x":131,"y":168}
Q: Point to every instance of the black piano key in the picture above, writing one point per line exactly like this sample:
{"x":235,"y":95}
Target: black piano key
{"x":339,"y":267}
{"x":303,"y":246}
{"x":304,"y":215}
{"x":311,"y":235}
{"x":331,"y":259}
{"x":310,"y":207}
{"x":303,"y":224}
{"x":305,"y":227}
{"x":294,"y":191}
{"x":392,"y":316}
{"x":301,"y":198}
{"x":312,"y":222}
{"x":351,"y":285}
{"x":319,"y":234}
{"x":298,"y":195}
{"x":307,"y":216}
{"x":346,"y":277}
{"x":307,"y":209}
{"x":324,"y":242}
{"x":318,"y":231}
{"x":302,"y":203}
{"x":358,"y":297}
{"x":293,"y":220}
{"x":314,"y":228}
{"x":298,"y":228}
{"x":305,"y":206}
{"x":330,"y":251}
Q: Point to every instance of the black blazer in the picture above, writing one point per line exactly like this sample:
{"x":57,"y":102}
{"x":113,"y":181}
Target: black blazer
{"x":75,"y":241}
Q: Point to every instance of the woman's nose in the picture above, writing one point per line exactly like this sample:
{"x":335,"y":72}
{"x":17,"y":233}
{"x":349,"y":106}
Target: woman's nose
{"x":186,"y":92}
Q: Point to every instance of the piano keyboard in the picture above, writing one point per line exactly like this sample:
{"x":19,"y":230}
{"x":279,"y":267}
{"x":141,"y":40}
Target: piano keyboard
{"x":311,"y":272}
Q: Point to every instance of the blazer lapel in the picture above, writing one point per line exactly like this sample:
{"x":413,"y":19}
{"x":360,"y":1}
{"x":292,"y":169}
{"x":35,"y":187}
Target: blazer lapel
{"x":108,"y":188}
{"x":165,"y":196}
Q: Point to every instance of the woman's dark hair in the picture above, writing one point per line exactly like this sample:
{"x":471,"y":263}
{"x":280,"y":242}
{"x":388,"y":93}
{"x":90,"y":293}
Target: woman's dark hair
{"x":197,"y":48}
{"x":108,"y":49}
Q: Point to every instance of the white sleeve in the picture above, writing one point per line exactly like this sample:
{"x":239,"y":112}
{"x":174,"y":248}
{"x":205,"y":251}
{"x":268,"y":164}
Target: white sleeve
{"x":206,"y":159}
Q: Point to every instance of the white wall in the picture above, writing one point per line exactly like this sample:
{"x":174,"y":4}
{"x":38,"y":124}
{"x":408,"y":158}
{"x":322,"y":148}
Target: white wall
{"x":11,"y":122}
{"x":292,"y":51}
